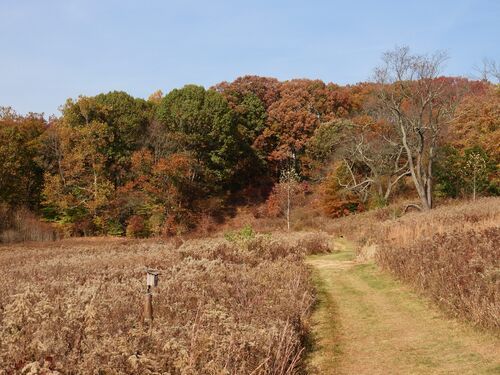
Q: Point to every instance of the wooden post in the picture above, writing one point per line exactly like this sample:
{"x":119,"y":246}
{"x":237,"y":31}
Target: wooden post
{"x":148,"y":306}
{"x":151,"y":282}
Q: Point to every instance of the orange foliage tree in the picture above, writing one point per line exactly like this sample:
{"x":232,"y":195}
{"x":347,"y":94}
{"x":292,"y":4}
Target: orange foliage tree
{"x":477,"y":121}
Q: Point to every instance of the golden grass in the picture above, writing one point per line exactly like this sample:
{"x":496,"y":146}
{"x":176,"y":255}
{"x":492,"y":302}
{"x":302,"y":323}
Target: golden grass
{"x":390,"y":225}
{"x":75,"y":306}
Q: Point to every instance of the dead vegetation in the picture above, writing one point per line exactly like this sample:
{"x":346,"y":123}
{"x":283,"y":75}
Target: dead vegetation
{"x":222,"y":307}
{"x":459,"y":269}
{"x":451,"y":254}
{"x":19,"y":224}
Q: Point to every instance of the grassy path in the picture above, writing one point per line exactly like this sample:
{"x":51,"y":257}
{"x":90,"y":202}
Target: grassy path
{"x":368,"y":323}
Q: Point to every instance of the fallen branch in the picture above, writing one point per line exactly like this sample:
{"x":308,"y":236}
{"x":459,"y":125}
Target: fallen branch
{"x":412,"y":205}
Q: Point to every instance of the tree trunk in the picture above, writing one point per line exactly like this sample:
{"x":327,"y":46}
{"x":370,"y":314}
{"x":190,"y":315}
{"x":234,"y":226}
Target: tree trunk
{"x":288,"y":207}
{"x":474,"y":186}
{"x":415,"y":170}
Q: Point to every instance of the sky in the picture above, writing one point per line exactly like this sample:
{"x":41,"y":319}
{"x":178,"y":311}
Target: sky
{"x":51,"y":50}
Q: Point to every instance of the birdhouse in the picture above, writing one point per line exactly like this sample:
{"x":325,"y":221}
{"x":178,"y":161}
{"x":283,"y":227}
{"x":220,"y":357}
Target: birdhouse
{"x":152,"y":278}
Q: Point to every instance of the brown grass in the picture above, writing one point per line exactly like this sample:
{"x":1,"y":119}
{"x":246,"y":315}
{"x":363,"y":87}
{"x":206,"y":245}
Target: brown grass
{"x":451,"y":254}
{"x":391,"y":225}
{"x":459,"y":269}
{"x":305,"y":217}
{"x":19,"y":224}
{"x":221,"y":308}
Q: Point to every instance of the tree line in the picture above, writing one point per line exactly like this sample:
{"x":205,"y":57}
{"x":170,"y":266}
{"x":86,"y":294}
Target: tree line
{"x":114,"y":164}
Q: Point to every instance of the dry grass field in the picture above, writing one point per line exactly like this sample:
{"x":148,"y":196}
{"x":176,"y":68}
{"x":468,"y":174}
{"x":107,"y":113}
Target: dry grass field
{"x":237,"y":306}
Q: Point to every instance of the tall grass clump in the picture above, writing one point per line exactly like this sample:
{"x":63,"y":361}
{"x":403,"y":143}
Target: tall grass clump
{"x":19,"y":224}
{"x":460,"y":270}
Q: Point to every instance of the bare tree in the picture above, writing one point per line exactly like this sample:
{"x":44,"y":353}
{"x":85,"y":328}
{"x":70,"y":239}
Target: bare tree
{"x":412,"y":98}
{"x":375,"y":160}
{"x":289,"y":182}
{"x":489,"y":70}
{"x":286,"y":194}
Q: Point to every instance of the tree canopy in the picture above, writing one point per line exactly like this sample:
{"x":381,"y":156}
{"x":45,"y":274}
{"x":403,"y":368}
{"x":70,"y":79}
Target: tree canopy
{"x":115,"y":164}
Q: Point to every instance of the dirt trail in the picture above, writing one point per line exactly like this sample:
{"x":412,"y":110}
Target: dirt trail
{"x":368,"y":323}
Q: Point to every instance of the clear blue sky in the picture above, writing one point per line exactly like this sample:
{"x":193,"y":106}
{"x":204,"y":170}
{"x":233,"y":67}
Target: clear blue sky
{"x":54,"y":49}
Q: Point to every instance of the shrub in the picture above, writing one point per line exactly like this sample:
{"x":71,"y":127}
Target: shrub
{"x":136,"y":227}
{"x":339,"y":208}
{"x":316,"y":243}
{"x":465,"y":173}
{"x":114,"y":228}
{"x":19,"y":224}
{"x":244,"y":234}
{"x":335,"y":201}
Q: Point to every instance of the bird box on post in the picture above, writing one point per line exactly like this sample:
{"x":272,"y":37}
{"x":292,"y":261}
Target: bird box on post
{"x":151,"y":278}
{"x":151,"y":282}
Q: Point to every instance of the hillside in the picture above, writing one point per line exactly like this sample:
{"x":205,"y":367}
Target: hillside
{"x":186,"y":161}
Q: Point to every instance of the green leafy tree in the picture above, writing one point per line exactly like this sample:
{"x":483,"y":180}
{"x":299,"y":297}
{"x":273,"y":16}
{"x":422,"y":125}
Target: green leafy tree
{"x":251,"y":118}
{"x":200,"y":122}
{"x":449,"y":179}
{"x":463,"y":172}
{"x":249,"y":98}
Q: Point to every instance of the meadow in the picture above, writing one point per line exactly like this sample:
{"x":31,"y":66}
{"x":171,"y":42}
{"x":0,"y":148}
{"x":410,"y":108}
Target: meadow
{"x":238,"y":305}
{"x":237,"y":302}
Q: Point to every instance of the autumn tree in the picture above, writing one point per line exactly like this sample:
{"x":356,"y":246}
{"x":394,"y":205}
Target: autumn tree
{"x":477,"y":121}
{"x":265,"y":88}
{"x":335,"y":200}
{"x":80,"y":189}
{"x":21,"y":174}
{"x":413,"y":99}
{"x":156,"y":97}
{"x":160,"y":190}
{"x":293,"y":118}
{"x":127,"y":119}
{"x":303,"y":105}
